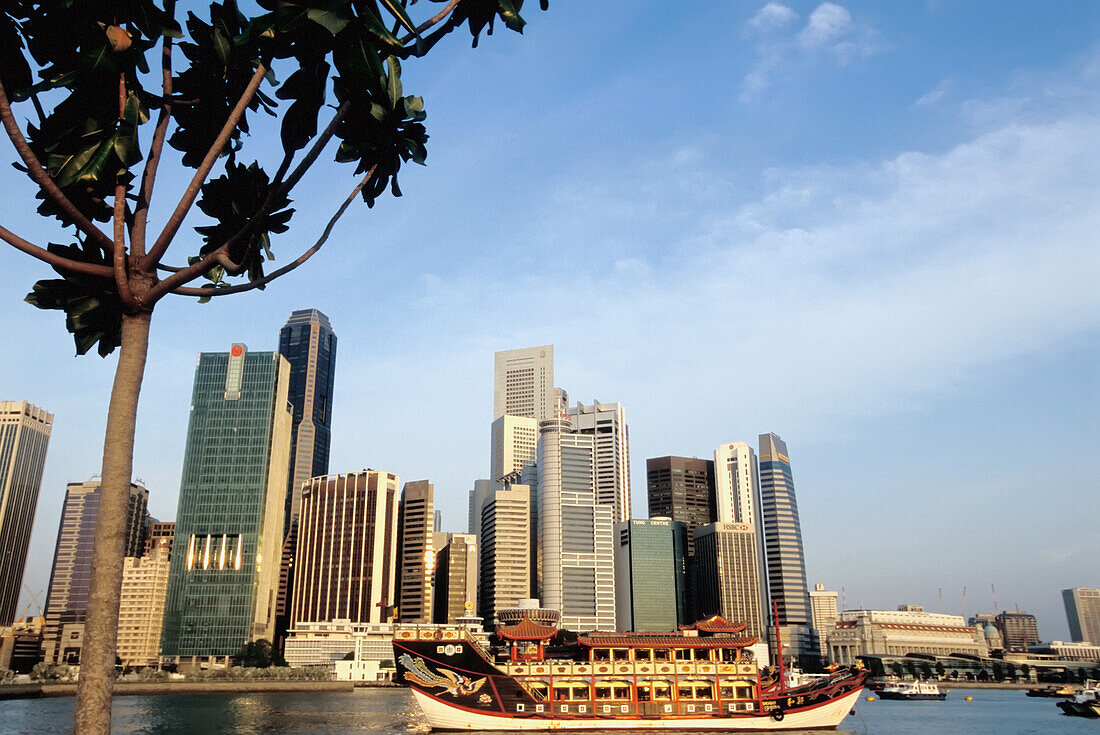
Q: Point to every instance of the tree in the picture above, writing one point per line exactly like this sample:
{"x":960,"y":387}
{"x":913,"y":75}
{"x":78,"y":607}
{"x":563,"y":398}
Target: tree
{"x":940,"y":670}
{"x":82,"y":71}
{"x":258,"y":654}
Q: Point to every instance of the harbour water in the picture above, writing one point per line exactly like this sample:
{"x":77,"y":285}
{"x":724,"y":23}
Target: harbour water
{"x":377,"y":711}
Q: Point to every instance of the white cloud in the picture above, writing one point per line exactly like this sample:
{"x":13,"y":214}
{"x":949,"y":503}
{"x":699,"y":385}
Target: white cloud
{"x":829,"y":32}
{"x":772,"y":16}
{"x":827,"y":24}
{"x":934,"y":95}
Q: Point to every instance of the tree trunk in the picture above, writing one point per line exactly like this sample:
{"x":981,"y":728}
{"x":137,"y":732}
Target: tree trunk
{"x":97,"y":658}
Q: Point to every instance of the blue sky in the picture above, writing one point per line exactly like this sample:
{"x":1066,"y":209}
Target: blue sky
{"x":868,"y":227}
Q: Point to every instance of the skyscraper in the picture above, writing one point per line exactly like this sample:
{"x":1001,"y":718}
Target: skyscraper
{"x":229,"y":525}
{"x":346,"y":564}
{"x":309,"y":345}
{"x":505,"y":573}
{"x":415,"y":521}
{"x":141,"y":605}
{"x":67,"y":599}
{"x":523,"y":383}
{"x":736,"y":489}
{"x":606,"y":423}
{"x":1083,"y":614}
{"x":650,"y":574}
{"x":682,"y":488}
{"x":575,"y":548}
{"x":478,"y":496}
{"x":514,"y":443}
{"x":24,"y":436}
{"x":455,"y":591}
{"x":1020,"y":629}
{"x":727,"y":574}
{"x":786,"y":561}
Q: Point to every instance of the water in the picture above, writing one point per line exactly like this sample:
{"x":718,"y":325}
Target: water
{"x":393,"y":711}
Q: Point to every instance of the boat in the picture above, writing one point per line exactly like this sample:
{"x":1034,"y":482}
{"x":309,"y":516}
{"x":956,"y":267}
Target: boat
{"x":914,"y":690}
{"x":1065,"y":691}
{"x":700,"y":677}
{"x":1086,"y":703}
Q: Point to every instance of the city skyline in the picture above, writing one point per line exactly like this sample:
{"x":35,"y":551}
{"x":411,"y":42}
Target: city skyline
{"x":918,"y":272}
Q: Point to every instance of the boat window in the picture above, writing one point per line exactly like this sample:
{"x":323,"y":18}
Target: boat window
{"x":683,"y":654}
{"x":620,"y":654}
{"x":613,"y":690}
{"x":736,"y":689}
{"x":662,"y":654}
{"x":728,"y":655}
{"x":571,"y":691}
{"x":643,"y":654}
{"x":539,"y":690}
{"x":696,"y":690}
{"x":662,"y":691}
{"x":601,"y":654}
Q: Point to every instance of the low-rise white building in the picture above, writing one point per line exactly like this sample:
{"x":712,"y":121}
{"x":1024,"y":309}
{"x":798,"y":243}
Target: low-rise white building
{"x":900,"y":632}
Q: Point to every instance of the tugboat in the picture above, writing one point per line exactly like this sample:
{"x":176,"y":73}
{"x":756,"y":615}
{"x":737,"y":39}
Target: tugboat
{"x":914,"y":690}
{"x":1086,"y":703}
{"x":700,"y":677}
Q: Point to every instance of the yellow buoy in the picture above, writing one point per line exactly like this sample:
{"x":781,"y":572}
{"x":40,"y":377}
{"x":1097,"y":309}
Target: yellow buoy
{"x":969,"y":699}
{"x":870,"y":699}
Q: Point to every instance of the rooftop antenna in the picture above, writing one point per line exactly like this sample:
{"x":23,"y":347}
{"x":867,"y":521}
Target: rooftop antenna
{"x":994,"y":591}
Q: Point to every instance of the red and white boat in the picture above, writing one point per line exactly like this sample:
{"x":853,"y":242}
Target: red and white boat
{"x":698,"y":678}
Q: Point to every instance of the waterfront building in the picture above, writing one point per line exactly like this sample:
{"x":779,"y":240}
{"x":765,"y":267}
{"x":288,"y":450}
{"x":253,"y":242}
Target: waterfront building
{"x":606,"y":423}
{"x":158,"y":532}
{"x":1069,"y":651}
{"x":514,"y":441}
{"x":455,"y":589}
{"x":682,"y":488}
{"x":1083,"y":613}
{"x":786,"y":561}
{"x":21,"y":644}
{"x":229,"y":527}
{"x":901,"y":632}
{"x":727,"y":575}
{"x":71,"y":575}
{"x":24,"y":437}
{"x":1019,"y":629}
{"x":416,"y":556}
{"x":346,"y":557}
{"x":141,"y":605}
{"x":309,"y":345}
{"x":575,"y":552}
{"x":650,"y":574}
{"x":505,"y":569}
{"x":823,"y":614}
{"x":523,"y":383}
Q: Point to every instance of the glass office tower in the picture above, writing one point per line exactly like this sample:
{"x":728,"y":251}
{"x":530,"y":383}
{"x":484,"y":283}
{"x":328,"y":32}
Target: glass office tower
{"x":225,"y":556}
{"x":650,"y":569}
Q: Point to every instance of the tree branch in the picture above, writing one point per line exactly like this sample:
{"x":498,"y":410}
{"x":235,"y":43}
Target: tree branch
{"x":259,"y":282}
{"x":156,"y":147}
{"x":44,"y":180}
{"x":422,"y":48}
{"x":57,"y":261}
{"x":431,"y":21}
{"x":192,"y":191}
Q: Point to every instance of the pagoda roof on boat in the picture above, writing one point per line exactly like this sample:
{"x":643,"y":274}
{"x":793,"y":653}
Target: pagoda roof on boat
{"x":667,"y":640}
{"x":527,"y":630}
{"x":716,"y":624}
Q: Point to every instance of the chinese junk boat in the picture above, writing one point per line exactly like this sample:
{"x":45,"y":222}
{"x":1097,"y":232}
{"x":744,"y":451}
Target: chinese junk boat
{"x":698,"y":678}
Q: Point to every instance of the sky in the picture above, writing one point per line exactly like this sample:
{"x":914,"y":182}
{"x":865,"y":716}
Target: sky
{"x":870,"y":227}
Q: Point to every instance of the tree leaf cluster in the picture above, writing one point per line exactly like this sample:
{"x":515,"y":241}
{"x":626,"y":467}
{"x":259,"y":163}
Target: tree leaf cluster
{"x":86,"y":68}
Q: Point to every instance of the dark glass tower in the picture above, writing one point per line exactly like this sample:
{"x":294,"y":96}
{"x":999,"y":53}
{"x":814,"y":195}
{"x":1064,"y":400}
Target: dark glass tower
{"x":229,"y":527}
{"x":309,"y":345}
{"x":782,"y":533}
{"x":682,"y":488}
{"x":650,"y":575}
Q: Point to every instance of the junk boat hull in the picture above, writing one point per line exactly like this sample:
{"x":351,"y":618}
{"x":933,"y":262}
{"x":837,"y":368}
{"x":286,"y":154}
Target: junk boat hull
{"x":461,"y":686}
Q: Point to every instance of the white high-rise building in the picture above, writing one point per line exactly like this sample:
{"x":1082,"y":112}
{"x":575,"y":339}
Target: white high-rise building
{"x":523,"y":383}
{"x":737,"y":490}
{"x":505,"y":572}
{"x":478,"y":496}
{"x":823,"y":614}
{"x":141,"y":605}
{"x":606,"y":423}
{"x":575,"y":568}
{"x":514,"y":444}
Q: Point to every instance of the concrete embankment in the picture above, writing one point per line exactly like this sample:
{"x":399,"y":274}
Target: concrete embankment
{"x":125,"y":688}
